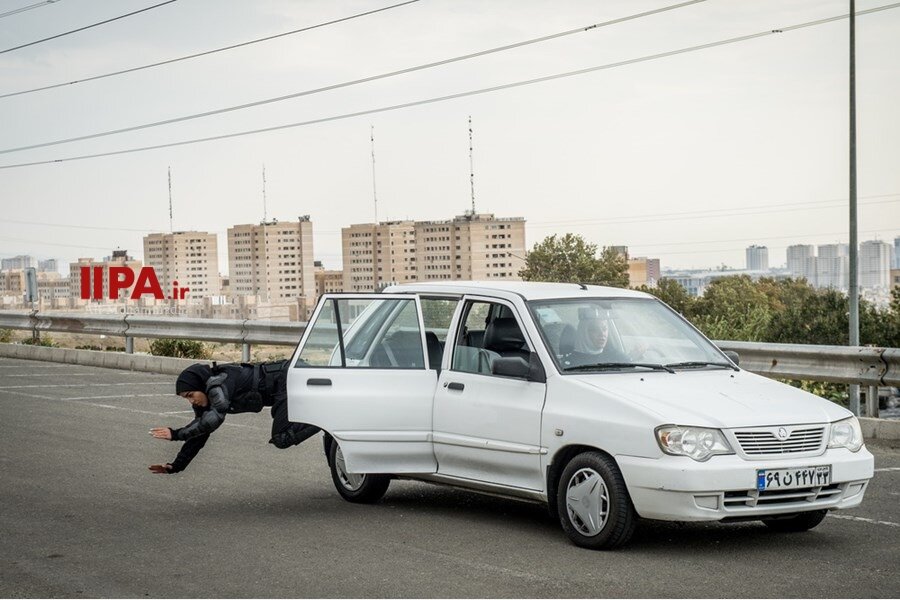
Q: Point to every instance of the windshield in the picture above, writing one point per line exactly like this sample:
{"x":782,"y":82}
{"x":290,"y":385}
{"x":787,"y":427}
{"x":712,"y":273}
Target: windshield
{"x":610,"y":334}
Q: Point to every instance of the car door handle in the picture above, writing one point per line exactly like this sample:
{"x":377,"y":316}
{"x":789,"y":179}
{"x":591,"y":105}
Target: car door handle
{"x":456,"y":386}
{"x":318,"y":381}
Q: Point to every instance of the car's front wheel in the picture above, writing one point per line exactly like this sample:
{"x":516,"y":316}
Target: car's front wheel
{"x":362,"y":488}
{"x":594,"y":507}
{"x":802,"y":522}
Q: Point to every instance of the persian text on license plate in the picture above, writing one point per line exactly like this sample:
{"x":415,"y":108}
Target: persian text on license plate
{"x":787,"y":479}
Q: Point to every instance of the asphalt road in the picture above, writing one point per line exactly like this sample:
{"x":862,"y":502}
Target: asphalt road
{"x":80,"y":515}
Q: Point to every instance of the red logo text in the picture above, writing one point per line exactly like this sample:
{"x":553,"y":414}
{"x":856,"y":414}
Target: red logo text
{"x":123,"y":278}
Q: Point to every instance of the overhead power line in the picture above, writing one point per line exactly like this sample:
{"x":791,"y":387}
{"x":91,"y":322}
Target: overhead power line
{"x":207,"y":52}
{"x":59,"y":35}
{"x":24,"y":8}
{"x":352,"y":82}
{"x":644,"y":218}
{"x":458,"y":95}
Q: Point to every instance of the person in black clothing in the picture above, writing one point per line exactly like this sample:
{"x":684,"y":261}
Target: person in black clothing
{"x":229,"y":389}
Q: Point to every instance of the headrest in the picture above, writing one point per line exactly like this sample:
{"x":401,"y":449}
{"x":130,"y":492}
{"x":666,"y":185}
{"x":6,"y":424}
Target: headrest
{"x":503,"y":335}
{"x":567,"y":340}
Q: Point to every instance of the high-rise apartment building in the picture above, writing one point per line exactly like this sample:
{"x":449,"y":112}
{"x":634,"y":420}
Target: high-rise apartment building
{"x":896,"y":262}
{"x":801,"y":262}
{"x":328,"y":281}
{"x":189,"y":257}
{"x":757,"y":258}
{"x":119,"y":258}
{"x":48,"y":266}
{"x":833,"y":266}
{"x":472,"y":246}
{"x":378,"y":254}
{"x":643,"y":271}
{"x":20,"y":262}
{"x":273,"y":260}
{"x":875,"y":265}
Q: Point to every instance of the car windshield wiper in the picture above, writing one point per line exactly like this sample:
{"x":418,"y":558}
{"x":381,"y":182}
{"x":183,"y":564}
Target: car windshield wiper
{"x":619,"y":365}
{"x":701,"y":363}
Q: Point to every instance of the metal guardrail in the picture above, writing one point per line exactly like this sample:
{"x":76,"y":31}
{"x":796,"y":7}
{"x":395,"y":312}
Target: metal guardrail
{"x":860,"y":365}
{"x":228,"y":331}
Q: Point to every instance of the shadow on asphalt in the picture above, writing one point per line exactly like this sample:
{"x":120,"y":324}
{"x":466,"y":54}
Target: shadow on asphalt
{"x":473,"y":510}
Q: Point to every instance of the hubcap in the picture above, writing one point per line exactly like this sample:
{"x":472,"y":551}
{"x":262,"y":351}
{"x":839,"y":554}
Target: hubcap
{"x":351,"y":481}
{"x":587,"y":502}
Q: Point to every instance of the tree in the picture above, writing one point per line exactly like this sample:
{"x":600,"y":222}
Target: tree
{"x":672,"y":293}
{"x":571,"y":259}
{"x":733,"y":308}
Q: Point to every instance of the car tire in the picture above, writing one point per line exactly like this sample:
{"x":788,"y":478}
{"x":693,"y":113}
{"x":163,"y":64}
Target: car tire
{"x":801,"y":522}
{"x":593,"y":504}
{"x":365,"y":488}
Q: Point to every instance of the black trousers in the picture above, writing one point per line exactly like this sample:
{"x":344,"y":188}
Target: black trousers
{"x":284,"y":433}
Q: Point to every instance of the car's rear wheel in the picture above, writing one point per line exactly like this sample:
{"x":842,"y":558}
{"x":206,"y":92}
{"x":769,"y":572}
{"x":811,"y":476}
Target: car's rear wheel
{"x":801,"y":522}
{"x":593,"y":504}
{"x":362,"y":488}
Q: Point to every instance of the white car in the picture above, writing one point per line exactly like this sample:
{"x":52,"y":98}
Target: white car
{"x":602,"y":403}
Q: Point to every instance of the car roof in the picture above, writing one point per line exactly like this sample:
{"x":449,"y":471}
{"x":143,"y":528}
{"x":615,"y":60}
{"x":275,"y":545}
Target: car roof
{"x":529,"y":290}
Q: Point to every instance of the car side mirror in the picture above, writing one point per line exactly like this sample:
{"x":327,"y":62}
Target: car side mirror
{"x":513,"y":366}
{"x":518,"y":367}
{"x":733,"y":356}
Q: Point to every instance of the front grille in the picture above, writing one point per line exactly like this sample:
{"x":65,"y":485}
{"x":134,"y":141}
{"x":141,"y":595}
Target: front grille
{"x":754,"y":498}
{"x":763,"y":441}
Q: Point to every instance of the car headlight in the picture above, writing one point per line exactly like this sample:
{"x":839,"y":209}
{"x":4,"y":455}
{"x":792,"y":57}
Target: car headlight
{"x":846,"y":434}
{"x":698,"y":443}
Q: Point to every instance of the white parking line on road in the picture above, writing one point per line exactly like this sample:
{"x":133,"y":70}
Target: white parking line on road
{"x":885,"y":469}
{"x":120,"y":396}
{"x":55,"y":385}
{"x":47,"y":366}
{"x":82,"y":399}
{"x":53,"y":375}
{"x":863,"y":520}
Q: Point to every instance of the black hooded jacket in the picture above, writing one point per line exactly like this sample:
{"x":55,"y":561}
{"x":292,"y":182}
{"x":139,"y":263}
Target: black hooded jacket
{"x":233,"y":388}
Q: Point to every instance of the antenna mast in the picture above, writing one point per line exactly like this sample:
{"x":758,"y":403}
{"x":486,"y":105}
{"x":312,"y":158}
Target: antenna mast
{"x":265,"y":243}
{"x":171,"y":229}
{"x":374,"y":190}
{"x":471,"y":166}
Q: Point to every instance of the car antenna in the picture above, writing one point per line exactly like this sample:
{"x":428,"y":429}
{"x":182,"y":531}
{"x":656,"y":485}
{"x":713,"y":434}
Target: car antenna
{"x":583,"y":286}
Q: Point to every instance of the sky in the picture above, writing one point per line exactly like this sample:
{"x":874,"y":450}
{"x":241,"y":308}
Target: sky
{"x":688,"y":158}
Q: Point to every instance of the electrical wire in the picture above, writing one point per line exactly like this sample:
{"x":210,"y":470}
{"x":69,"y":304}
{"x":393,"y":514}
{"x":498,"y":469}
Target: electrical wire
{"x":641,"y":218}
{"x":349,"y":83}
{"x":59,"y":35}
{"x":29,"y":7}
{"x":207,"y":52}
{"x":458,"y":95}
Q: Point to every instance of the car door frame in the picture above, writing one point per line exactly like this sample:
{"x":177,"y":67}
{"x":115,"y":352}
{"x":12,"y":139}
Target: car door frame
{"x":490,"y":452}
{"x":404,"y":448}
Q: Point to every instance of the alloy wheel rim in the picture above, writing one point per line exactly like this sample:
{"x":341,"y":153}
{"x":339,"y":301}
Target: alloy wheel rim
{"x":351,"y":481}
{"x":587,"y":502}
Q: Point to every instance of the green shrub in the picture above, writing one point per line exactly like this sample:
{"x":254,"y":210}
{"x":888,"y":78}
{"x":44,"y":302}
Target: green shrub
{"x":5,"y":336}
{"x":180,"y":349}
{"x":46,"y":341}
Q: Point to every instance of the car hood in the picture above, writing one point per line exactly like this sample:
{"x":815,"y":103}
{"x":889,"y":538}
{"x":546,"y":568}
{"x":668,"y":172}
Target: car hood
{"x":716,"y":398}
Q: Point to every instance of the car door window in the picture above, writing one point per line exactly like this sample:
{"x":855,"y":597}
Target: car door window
{"x":489,"y":331}
{"x":365,"y":333}
{"x":437,"y":313}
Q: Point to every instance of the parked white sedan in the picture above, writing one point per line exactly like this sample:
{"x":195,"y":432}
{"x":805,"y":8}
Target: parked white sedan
{"x":602,"y":403}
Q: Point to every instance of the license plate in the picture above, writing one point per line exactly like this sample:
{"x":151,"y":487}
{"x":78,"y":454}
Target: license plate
{"x":788,"y":479}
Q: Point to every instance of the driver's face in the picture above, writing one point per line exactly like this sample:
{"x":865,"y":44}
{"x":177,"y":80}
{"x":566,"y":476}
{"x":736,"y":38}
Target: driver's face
{"x":598,"y":332}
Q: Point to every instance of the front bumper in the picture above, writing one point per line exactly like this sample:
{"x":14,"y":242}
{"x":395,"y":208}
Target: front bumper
{"x":677,"y":488}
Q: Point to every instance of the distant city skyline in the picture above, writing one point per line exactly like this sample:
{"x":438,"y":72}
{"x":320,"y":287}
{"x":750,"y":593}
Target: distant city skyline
{"x":689,"y":158}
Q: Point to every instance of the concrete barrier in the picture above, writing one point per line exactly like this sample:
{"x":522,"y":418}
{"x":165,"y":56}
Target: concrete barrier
{"x":95,"y":358}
